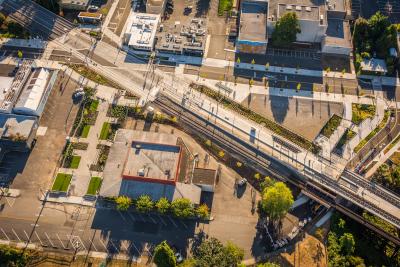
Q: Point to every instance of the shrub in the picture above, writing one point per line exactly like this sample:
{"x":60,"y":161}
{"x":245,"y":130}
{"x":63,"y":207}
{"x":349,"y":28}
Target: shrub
{"x":144,"y":203}
{"x":202,"y":211}
{"x":163,"y":205}
{"x":182,"y":208}
{"x":123,"y":203}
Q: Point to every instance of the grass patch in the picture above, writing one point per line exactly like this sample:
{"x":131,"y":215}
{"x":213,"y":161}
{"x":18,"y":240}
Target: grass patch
{"x":62,"y":182}
{"x":80,"y":146}
{"x":392,"y":144}
{"x":85,"y":131}
{"x":94,"y":185}
{"x":248,"y":113}
{"x":361,"y":112}
{"x":92,"y":75}
{"x":75,"y":162}
{"x":395,"y":158}
{"x":348,"y":135}
{"x":105,"y":131}
{"x":331,"y":125}
{"x":224,"y":5}
{"x":94,"y":105}
{"x":374,"y":132}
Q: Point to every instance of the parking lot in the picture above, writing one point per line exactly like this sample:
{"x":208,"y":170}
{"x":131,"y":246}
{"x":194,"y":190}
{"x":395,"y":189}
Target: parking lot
{"x":303,"y":116}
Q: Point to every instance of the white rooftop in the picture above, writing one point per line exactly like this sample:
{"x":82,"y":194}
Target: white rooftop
{"x":34,"y":89}
{"x":374,"y":64}
{"x":141,"y":30}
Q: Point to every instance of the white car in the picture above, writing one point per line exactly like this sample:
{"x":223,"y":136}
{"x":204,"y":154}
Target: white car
{"x":178,"y":257}
{"x":242,"y":182}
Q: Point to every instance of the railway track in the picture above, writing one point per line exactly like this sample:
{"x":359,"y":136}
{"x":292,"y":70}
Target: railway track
{"x":257,"y":159}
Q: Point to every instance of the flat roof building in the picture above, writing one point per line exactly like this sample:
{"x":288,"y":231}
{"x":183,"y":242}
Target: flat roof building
{"x":155,"y":6}
{"x":182,"y":39}
{"x":310,"y":13}
{"x":146,"y":163}
{"x":89,"y":18}
{"x":253,"y":36}
{"x":74,"y":4}
{"x":141,"y":31}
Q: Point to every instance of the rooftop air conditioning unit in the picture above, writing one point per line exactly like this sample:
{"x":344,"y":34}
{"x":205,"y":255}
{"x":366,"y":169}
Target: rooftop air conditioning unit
{"x":288,"y":7}
{"x":298,"y":8}
{"x":308,"y":9}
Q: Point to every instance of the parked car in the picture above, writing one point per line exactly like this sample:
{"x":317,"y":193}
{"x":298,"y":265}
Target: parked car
{"x":242,"y":182}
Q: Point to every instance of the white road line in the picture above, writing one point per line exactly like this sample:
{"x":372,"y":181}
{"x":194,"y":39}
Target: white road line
{"x":51,"y":243}
{"x":41,"y":243}
{"x":123,"y":217}
{"x":124,"y":246}
{"x":112,"y":243}
{"x":94,"y":246}
{"x":80,"y":240}
{"x":162,"y":220}
{"x":59,"y":239}
{"x":104,"y":245}
{"x":132,"y":244}
{"x":151,"y":218}
{"x":12,"y":229}
{"x":5,"y":234}
{"x":184,"y":224}
{"x":27,"y":237}
{"x":130,"y":215}
{"x":173,"y":222}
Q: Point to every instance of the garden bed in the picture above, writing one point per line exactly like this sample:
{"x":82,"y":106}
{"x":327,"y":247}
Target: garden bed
{"x":331,"y":126}
{"x":248,"y":113}
{"x":92,"y":75}
{"x":80,"y":146}
{"x":347,"y":136}
{"x":102,"y":159}
{"x":362,"y":112}
{"x":62,"y":182}
{"x":94,"y":185}
{"x":374,"y":132}
{"x":85,"y":131}
{"x":75,"y":162}
{"x":224,"y":5}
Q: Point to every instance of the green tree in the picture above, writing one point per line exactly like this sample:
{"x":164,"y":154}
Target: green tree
{"x":347,"y":243}
{"x":286,"y":29}
{"x":10,"y":256}
{"x":188,"y":263}
{"x":377,"y":25}
{"x":163,"y":205}
{"x":233,"y":253}
{"x":361,"y":35}
{"x":276,"y":200}
{"x":266,"y":183}
{"x":202,"y":211}
{"x":164,"y":255}
{"x":213,"y":253}
{"x":19,"y":54}
{"x":182,"y":207}
{"x":123,"y":203}
{"x":144,"y":203}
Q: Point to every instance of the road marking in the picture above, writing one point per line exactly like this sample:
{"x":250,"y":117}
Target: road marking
{"x":104,"y":245}
{"x":41,"y":243}
{"x":92,"y":243}
{"x":162,"y":220}
{"x":151,"y":218}
{"x":112,"y":243}
{"x":133,"y":219}
{"x":12,"y":229}
{"x":80,"y":240}
{"x":133,"y":244}
{"x":124,"y":246}
{"x":173,"y":222}
{"x":27,"y":236}
{"x":51,"y":243}
{"x":184,"y":224}
{"x":123,"y":217}
{"x":34,"y":224}
{"x":59,"y":239}
{"x":5,"y":234}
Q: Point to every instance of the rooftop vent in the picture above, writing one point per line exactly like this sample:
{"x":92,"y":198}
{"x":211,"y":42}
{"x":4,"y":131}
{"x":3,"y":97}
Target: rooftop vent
{"x":308,"y":8}
{"x":298,"y":8}
{"x":288,"y":7}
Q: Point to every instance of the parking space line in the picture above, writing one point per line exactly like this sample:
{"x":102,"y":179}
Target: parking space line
{"x":51,"y":243}
{"x":41,"y":243}
{"x":12,"y":229}
{"x":80,"y":240}
{"x":162,"y":220}
{"x":184,"y":224}
{"x":151,"y":218}
{"x":173,"y":222}
{"x":59,"y":239}
{"x":123,"y":217}
{"x":5,"y":234}
{"x":27,"y":237}
{"x":133,"y":244}
{"x":112,"y":243}
{"x":130,"y":216}
{"x":92,"y":244}
{"x":104,"y":245}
